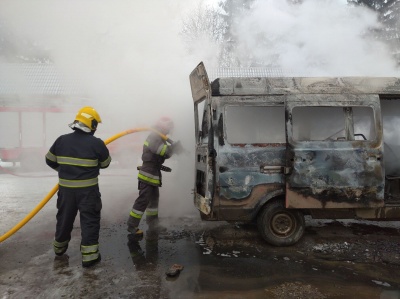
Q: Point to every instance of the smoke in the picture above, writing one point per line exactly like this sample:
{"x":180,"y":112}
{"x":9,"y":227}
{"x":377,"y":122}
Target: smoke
{"x":315,"y":38}
{"x":128,"y":59}
{"x":130,"y":62}
{"x":126,"y":56}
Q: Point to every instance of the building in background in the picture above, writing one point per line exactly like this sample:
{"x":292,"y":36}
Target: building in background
{"x":36,"y":104}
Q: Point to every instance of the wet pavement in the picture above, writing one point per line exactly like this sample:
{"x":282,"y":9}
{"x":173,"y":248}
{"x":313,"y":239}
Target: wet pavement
{"x":220,"y":260}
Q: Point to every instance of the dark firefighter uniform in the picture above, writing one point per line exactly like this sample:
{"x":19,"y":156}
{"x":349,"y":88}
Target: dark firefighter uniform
{"x":78,"y":157}
{"x":155,"y":151}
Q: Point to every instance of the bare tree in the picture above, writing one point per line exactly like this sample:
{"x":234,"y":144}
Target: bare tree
{"x":16,"y":50}
{"x":389,"y":16}
{"x":213,"y":25}
{"x":204,"y":23}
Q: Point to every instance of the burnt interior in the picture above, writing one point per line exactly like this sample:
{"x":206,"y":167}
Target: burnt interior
{"x":201,"y":183}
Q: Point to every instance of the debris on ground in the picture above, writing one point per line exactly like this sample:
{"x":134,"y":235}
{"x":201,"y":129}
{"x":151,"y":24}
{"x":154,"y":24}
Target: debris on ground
{"x":295,"y":290}
{"x":174,"y":270}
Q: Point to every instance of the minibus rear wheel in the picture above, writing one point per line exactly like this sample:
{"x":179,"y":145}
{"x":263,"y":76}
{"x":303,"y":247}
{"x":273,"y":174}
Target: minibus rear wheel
{"x":280,"y":226}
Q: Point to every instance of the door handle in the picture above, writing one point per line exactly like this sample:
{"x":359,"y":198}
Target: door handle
{"x":274,"y":169}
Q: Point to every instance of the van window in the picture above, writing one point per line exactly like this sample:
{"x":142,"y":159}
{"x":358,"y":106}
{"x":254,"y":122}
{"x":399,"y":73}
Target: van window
{"x":364,"y":123}
{"x":329,"y":123}
{"x":255,"y":124}
{"x":202,"y":125}
{"x":391,"y":123}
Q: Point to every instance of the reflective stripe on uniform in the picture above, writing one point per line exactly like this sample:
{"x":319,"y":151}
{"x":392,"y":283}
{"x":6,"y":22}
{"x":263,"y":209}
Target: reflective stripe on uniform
{"x":146,"y":143}
{"x":162,"y":149}
{"x":60,"y":244}
{"x":89,"y":248}
{"x":90,"y":252}
{"x":149,"y":175}
{"x":147,"y":179}
{"x":60,"y":247}
{"x":78,"y":183}
{"x":51,"y":157}
{"x":106,"y":162}
{"x":136,"y":214}
{"x":90,"y":257}
{"x":151,"y":212}
{"x":77,"y":162}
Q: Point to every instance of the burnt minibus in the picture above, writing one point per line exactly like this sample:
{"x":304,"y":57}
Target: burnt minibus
{"x":271,"y":150}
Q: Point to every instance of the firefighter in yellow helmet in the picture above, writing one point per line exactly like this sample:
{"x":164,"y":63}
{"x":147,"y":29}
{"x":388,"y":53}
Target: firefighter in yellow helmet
{"x":78,"y":157}
{"x":155,"y":151}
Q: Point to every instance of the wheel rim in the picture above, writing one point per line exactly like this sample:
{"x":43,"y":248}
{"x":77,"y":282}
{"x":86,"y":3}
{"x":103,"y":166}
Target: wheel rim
{"x":282,"y":224}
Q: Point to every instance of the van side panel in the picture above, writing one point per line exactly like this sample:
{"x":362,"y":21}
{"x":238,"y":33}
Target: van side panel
{"x":240,"y":171}
{"x":247,"y":178}
{"x":336,"y":177}
{"x":251,"y":151}
{"x":334,"y":170}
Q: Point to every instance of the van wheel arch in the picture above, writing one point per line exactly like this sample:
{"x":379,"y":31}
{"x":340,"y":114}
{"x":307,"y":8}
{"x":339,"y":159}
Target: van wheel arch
{"x":268,"y":198}
{"x":280,"y":226}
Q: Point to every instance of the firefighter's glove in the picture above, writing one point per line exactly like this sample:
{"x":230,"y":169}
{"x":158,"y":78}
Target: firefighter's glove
{"x":177,"y":148}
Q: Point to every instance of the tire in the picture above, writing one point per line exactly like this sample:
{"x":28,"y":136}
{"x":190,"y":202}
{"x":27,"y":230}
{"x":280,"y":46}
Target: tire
{"x":280,"y":226}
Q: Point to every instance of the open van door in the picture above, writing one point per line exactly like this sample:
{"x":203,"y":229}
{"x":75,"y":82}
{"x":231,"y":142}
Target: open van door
{"x":205,"y":152}
{"x":334,"y":151}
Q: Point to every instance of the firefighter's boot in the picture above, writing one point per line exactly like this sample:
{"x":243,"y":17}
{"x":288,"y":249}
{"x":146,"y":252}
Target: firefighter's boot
{"x":60,"y":247}
{"x":133,"y":226}
{"x":91,"y":263}
{"x":90,"y":255}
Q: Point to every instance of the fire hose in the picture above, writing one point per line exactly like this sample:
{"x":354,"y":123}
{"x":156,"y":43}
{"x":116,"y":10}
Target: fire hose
{"x":55,"y":188}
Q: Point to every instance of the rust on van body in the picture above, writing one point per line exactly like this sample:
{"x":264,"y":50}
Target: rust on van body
{"x":334,"y":177}
{"x":242,"y":168}
{"x":243,"y":209}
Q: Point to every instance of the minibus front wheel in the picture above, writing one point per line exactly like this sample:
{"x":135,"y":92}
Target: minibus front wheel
{"x":280,"y":226}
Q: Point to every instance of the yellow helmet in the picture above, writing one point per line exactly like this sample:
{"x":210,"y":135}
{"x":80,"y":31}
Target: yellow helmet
{"x":89,"y":117}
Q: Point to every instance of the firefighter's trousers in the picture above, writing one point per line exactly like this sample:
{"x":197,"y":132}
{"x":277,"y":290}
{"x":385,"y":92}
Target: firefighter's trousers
{"x":88,"y":202}
{"x":147,"y":200}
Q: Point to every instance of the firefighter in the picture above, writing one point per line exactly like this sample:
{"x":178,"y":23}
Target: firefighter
{"x":78,"y":157}
{"x":155,"y":151}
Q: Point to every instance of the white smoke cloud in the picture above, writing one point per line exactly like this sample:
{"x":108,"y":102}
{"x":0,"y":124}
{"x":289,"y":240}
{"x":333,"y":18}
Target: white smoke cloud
{"x":128,"y":58}
{"x":316,"y":38}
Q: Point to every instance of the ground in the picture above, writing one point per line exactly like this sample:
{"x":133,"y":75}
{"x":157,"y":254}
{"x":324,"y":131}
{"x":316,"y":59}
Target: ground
{"x":334,"y":259}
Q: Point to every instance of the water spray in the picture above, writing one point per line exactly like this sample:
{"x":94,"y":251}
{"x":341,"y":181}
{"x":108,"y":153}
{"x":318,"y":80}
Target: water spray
{"x":55,"y":188}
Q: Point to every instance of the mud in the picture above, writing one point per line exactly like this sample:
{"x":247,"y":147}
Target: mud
{"x":345,"y":259}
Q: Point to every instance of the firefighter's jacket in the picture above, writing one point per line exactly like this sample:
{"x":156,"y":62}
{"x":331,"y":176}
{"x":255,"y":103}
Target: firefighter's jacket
{"x":78,"y":157}
{"x":155,"y":151}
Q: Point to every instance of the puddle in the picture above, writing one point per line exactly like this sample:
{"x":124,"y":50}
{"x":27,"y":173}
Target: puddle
{"x":240,"y":271}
